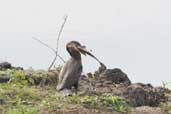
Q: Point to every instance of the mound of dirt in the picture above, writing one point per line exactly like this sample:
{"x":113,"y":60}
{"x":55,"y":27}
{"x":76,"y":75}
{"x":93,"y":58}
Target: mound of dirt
{"x":116,"y":76}
{"x":116,"y":82}
{"x":145,"y":95}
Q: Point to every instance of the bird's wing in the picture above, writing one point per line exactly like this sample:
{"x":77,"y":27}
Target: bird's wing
{"x":62,"y":73}
{"x":72,"y":75}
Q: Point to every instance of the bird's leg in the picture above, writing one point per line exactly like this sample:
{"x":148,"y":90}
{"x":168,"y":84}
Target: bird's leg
{"x":76,"y":87}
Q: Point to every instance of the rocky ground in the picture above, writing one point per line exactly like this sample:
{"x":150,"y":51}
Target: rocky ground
{"x":107,"y":91}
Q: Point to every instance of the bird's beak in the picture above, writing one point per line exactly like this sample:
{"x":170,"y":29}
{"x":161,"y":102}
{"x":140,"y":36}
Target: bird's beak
{"x":84,"y":51}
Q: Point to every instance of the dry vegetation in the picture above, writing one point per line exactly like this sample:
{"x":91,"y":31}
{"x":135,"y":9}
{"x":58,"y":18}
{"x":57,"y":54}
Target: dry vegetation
{"x":33,"y":92}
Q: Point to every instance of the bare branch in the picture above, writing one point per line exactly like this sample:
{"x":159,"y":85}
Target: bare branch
{"x":46,"y":45}
{"x":59,"y":34}
{"x":62,"y":27}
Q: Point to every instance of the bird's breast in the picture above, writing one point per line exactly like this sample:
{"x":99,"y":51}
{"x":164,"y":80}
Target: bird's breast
{"x":73,"y":65}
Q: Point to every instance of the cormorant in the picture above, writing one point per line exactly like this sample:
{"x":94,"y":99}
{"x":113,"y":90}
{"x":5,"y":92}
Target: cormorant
{"x":70,"y":73}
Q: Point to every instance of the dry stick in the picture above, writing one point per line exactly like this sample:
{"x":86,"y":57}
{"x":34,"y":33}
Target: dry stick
{"x":48,"y":47}
{"x":44,"y":44}
{"x":65,"y":19}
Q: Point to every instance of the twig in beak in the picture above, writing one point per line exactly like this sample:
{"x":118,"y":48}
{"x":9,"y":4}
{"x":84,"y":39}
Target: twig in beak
{"x":83,"y":50}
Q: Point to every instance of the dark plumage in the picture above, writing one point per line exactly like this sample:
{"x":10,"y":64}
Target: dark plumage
{"x":70,"y":74}
{"x":71,"y":71}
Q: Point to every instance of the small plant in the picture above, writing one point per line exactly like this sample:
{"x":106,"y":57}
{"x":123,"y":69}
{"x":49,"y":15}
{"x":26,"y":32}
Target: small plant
{"x":74,"y":99}
{"x":116,"y":102}
{"x":91,"y":101}
{"x":18,"y":78}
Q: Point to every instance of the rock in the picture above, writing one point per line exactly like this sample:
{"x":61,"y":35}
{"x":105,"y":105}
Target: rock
{"x":143,"y":95}
{"x":4,"y":79}
{"x":5,"y":65}
{"x":99,"y":85}
{"x":116,"y":76}
{"x":2,"y":101}
{"x":100,"y":70}
{"x":116,"y":82}
{"x":107,"y":82}
{"x":18,"y":68}
{"x":89,"y":75}
{"x":41,"y":78}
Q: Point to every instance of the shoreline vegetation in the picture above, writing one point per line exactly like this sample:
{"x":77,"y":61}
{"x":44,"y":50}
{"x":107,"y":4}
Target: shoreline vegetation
{"x":29,"y":91}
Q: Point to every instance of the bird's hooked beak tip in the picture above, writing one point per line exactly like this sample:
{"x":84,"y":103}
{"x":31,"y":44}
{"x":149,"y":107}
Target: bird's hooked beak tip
{"x":84,"y":51}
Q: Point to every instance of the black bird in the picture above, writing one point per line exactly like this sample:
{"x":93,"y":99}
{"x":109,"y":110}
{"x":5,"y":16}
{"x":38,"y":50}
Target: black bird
{"x":70,"y":74}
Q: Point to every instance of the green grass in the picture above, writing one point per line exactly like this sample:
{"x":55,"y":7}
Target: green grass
{"x":116,"y":103}
{"x":16,"y":97}
{"x":22,"y":109}
{"x":18,"y":78}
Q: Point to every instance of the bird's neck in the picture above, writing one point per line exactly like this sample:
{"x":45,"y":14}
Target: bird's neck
{"x":76,"y":56}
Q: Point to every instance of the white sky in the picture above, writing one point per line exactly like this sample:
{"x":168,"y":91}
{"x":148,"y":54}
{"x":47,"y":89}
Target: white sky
{"x":133,"y":35}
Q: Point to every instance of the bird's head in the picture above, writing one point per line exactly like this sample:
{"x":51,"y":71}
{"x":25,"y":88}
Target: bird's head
{"x":75,"y":48}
